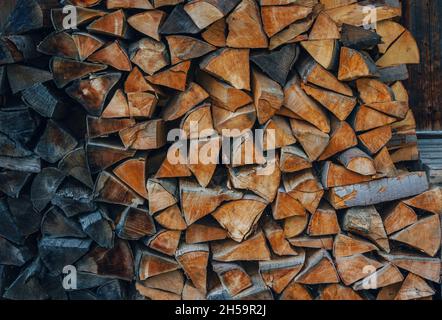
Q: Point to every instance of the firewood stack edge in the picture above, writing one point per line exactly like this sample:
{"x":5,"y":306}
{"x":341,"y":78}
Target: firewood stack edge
{"x":88,"y":188}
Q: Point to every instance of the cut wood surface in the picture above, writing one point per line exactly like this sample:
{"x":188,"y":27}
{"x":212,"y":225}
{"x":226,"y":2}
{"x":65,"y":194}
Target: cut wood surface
{"x":213,"y":149}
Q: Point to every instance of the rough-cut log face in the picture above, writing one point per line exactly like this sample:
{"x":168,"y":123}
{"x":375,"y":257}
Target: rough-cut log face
{"x":212,"y":149}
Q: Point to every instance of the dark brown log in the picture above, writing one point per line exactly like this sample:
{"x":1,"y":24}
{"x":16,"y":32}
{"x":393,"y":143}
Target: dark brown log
{"x":92,"y":93}
{"x":358,"y":37}
{"x":98,"y":127}
{"x":101,"y":155}
{"x":133,"y":224}
{"x":24,"y":77}
{"x":66,"y":71}
{"x":84,"y":15}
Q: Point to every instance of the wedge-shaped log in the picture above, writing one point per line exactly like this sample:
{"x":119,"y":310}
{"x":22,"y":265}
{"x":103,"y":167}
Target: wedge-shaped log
{"x":354,"y":268}
{"x":149,"y":55}
{"x":55,"y":143}
{"x":134,"y":223}
{"x":312,"y":72}
{"x":293,"y":159}
{"x":101,"y":155}
{"x":112,"y":24}
{"x":164,"y":241}
{"x":268,"y":96}
{"x":117,"y":262}
{"x":232,"y":276}
{"x":252,"y":249}
{"x":230,"y":65}
{"x":148,"y":22}
{"x":354,"y":64}
{"x":403,"y":51}
{"x":262,"y":179}
{"x":300,"y":103}
{"x":340,"y":105}
{"x":387,"y":275}
{"x":275,"y":235}
{"x":110,"y":190}
{"x":356,"y":160}
{"x":178,"y":21}
{"x":146,"y":135}
{"x":323,"y":221}
{"x":184,"y":101}
{"x":150,"y":264}
{"x":113,"y":55}
{"x":133,"y":173}
{"x":346,"y":245}
{"x":430,"y":201}
{"x":245,"y":27}
{"x":276,"y":18}
{"x":162,"y":194}
{"x":98,"y":127}
{"x":424,"y":235}
{"x":204,"y":232}
{"x":277,"y":64}
{"x":304,"y":187}
{"x":398,"y":217}
{"x":280,"y":271}
{"x":91,"y":93}
{"x":318,"y":269}
{"x":342,"y":137}
{"x":367,"y":222}
{"x":197,"y":201}
{"x":312,"y":140}
{"x":421,"y":265}
{"x":171,"y":218}
{"x":223,"y":94}
{"x":194,"y":258}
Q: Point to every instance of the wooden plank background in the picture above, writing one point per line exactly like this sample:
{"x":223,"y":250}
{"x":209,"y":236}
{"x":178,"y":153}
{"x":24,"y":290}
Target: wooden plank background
{"x":424,"y":19}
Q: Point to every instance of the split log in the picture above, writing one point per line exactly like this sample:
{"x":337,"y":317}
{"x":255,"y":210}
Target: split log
{"x":338,"y":292}
{"x":333,"y":175}
{"x":340,"y":105}
{"x":293,"y":159}
{"x":346,"y":246}
{"x":383,"y":277}
{"x":374,"y":140}
{"x":149,"y":55}
{"x":162,"y":194}
{"x":398,"y":217}
{"x":215,"y":34}
{"x":92,"y":93}
{"x":403,"y":51}
{"x":240,"y":216}
{"x":423,"y":235}
{"x":276,"y":18}
{"x":421,"y":265}
{"x":295,"y":225}
{"x":184,"y":101}
{"x":144,"y":135}
{"x":132,"y":172}
{"x":178,"y":21}
{"x":148,"y":22}
{"x":319,"y":268}
{"x":354,"y":64}
{"x":325,"y":52}
{"x":312,"y":140}
{"x":275,"y":236}
{"x":356,"y":160}
{"x":204,"y":13}
{"x":164,"y":241}
{"x":198,"y":201}
{"x":245,"y":28}
{"x":204,"y":232}
{"x":230,"y":65}
{"x":304,"y":187}
{"x":324,"y":28}
{"x":342,"y":137}
{"x":133,"y":224}
{"x":101,"y":155}
{"x":113,"y":55}
{"x":413,"y":288}
{"x":279,"y":272}
{"x":99,"y":127}
{"x":171,"y":218}
{"x":286,"y":206}
{"x":66,"y":71}
{"x":268,"y":96}
{"x":366,"y":118}
{"x":296,"y":291}
{"x":312,"y":72}
{"x":323,"y":222}
{"x":193,"y":258}
{"x":430,"y":201}
{"x":356,"y":267}
{"x":233,"y":277}
{"x":112,"y":24}
{"x":358,"y":37}
{"x":232,"y":124}
{"x":366,"y":222}
{"x":254,"y":248}
{"x":277,"y":64}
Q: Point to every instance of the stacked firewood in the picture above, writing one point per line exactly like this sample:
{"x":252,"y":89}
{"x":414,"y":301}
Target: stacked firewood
{"x":93,"y":207}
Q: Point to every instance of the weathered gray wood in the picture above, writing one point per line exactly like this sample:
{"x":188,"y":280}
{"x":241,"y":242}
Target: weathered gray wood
{"x":378,"y":191}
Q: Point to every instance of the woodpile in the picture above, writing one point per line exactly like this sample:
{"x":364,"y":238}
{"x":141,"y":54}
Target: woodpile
{"x":86,"y":179}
